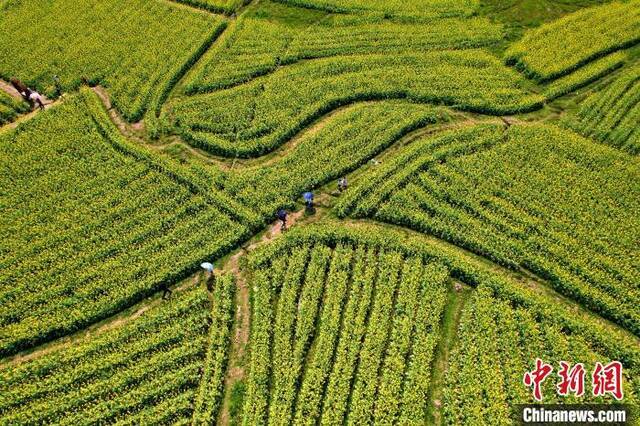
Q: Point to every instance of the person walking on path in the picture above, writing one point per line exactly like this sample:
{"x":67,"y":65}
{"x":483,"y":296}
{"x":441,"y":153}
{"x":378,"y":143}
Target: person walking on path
{"x":210,"y":276}
{"x":166,"y":291}
{"x":308,"y":201}
{"x":58,"y":86}
{"x":211,"y":282}
{"x":36,"y":99}
{"x":342,"y":184}
{"x":282,"y":217}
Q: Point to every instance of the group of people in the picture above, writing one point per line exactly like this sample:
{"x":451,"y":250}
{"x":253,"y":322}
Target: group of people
{"x":308,"y":201}
{"x":282,"y":216}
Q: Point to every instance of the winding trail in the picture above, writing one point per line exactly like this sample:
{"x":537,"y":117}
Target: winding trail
{"x":10,"y":90}
{"x":242,"y":321}
{"x":233,"y":263}
{"x":128,"y":130}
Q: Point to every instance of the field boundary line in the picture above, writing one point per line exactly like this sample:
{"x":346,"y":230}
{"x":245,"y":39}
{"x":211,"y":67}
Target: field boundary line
{"x":448,"y":337}
{"x":522,"y":276}
{"x":109,"y":323}
{"x":236,"y":369}
{"x":198,"y":6}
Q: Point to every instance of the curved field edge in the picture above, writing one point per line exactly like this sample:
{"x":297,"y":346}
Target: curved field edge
{"x":509,"y":199}
{"x":267,"y":123}
{"x":560,"y":47}
{"x":163,"y":364}
{"x":248,"y":221}
{"x":466,"y":268}
{"x":137,"y":65}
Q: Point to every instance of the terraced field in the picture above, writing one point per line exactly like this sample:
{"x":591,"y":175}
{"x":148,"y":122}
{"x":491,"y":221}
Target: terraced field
{"x":611,"y":115}
{"x":488,"y":216}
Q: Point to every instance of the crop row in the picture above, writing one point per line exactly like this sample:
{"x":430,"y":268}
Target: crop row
{"x":255,"y":46}
{"x":92,"y":224}
{"x":122,"y":374}
{"x":392,"y":8}
{"x":372,"y":352}
{"x":420,"y":302}
{"x":568,"y":216}
{"x":132,"y":47}
{"x":319,"y":362}
{"x":211,"y":388}
{"x":226,"y":7}
{"x":611,"y":115}
{"x":288,"y":354}
{"x":254,"y":118}
{"x":346,"y":141}
{"x":493,"y":332}
{"x":421,"y":154}
{"x":10,"y":108}
{"x":561,"y":46}
{"x":584,"y":76}
{"x":376,"y":374}
{"x":336,"y":402}
{"x":417,"y":382}
{"x":333,"y":333}
{"x":613,"y":341}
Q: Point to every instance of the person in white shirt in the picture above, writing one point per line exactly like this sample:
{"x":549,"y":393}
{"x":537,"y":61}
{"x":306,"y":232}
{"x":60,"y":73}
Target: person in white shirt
{"x":36,"y":99}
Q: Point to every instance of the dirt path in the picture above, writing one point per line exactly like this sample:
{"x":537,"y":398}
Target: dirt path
{"x":222,"y":163}
{"x":10,"y":90}
{"x":242,"y":321}
{"x":26,"y":117}
{"x":128,"y":130}
{"x":117,"y":320}
{"x":448,"y":337}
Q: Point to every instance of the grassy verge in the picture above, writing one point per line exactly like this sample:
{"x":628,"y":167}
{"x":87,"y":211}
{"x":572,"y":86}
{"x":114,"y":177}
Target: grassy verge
{"x":448,"y":336}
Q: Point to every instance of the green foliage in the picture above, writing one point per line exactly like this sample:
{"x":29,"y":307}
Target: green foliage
{"x":254,"y":118}
{"x":10,"y":108}
{"x":531,"y":13}
{"x":146,"y":370}
{"x":271,"y":35}
{"x":585,"y":75}
{"x":91,"y":224}
{"x":350,"y":320}
{"x":382,"y":181}
{"x":536,"y":197}
{"x":211,"y":388}
{"x":216,"y":6}
{"x":342,"y":144}
{"x":559,"y":47}
{"x":497,"y":342}
{"x":134,"y":48}
{"x":391,"y":310}
{"x":390,"y":8}
{"x":611,"y":114}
